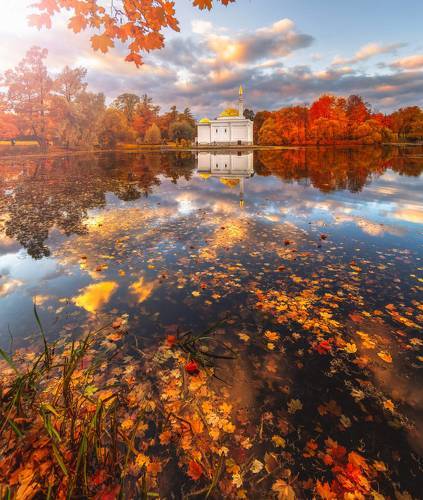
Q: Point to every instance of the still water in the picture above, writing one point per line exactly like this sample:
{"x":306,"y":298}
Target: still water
{"x":310,"y":259}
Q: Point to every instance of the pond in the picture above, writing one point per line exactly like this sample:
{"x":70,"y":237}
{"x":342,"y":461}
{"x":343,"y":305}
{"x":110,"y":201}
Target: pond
{"x":302,"y":269}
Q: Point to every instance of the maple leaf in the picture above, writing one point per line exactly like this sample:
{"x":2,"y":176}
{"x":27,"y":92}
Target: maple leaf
{"x":325,"y":492}
{"x":192,"y":368}
{"x":271,"y":335}
{"x":194,"y":470}
{"x":279,"y":441}
{"x":294,"y":405}
{"x":350,"y":348}
{"x":49,"y":5}
{"x":135,"y":58}
{"x":39,"y":20}
{"x":203,"y":4}
{"x":385,"y":356}
{"x":284,"y":490}
{"x":101,"y":42}
{"x":256,"y":466}
{"x":142,"y":460}
{"x":77,"y":23}
{"x":389,"y":405}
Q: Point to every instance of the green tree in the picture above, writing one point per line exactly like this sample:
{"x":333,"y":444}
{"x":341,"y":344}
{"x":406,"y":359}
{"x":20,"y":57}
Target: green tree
{"x":249,"y":114}
{"x":181,"y":130}
{"x":188,"y":117}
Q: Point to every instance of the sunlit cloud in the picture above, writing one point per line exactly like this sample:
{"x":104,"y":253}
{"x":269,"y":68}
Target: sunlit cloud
{"x":8,"y":286}
{"x":410,"y":62}
{"x":410,"y":213}
{"x":367,"y":51}
{"x":95,"y":296}
{"x":142,"y":289}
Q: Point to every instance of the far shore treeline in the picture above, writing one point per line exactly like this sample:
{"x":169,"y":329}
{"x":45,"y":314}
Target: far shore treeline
{"x":60,"y":111}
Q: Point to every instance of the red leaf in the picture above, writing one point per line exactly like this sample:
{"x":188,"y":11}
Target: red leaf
{"x":194,"y":470}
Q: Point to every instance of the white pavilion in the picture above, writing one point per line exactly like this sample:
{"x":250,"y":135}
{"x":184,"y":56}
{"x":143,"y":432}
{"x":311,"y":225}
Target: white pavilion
{"x":230,"y":128}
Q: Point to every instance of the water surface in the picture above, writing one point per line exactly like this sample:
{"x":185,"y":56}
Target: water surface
{"x":310,"y":258}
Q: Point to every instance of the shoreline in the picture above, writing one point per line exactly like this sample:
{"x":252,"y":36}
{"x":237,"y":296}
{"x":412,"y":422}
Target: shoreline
{"x":165,"y":149}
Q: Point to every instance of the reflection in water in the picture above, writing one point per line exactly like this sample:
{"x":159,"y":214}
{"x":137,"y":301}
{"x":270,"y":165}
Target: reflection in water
{"x":93,"y":297}
{"x":316,"y":283}
{"x":231,"y":168}
{"x":142,"y":290}
{"x":37,"y":196}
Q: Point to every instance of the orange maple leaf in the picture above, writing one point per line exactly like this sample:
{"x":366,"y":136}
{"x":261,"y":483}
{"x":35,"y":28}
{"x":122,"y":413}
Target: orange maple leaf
{"x":77,"y":23}
{"x":101,"y":42}
{"x":39,"y":20}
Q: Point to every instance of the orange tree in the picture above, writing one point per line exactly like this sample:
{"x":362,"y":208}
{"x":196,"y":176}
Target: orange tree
{"x":136,"y":23}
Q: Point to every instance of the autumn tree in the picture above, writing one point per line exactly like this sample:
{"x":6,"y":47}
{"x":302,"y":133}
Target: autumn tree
{"x":29,"y":93}
{"x":259,"y":119}
{"x":146,"y":113}
{"x":153,"y":135}
{"x":406,"y":122}
{"x":70,"y":82}
{"x":357,"y":110}
{"x":286,"y":126}
{"x":113,"y":128}
{"x":8,"y":127}
{"x":136,"y":23}
{"x":127,"y":103}
{"x":78,"y":123}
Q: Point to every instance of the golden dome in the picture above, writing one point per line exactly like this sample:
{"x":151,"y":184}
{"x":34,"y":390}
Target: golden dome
{"x":229,"y":112}
{"x":205,"y":176}
{"x":204,"y":120}
{"x":231,"y":183}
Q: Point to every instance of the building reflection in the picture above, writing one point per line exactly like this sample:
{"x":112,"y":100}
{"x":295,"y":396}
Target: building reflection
{"x":231,"y":168}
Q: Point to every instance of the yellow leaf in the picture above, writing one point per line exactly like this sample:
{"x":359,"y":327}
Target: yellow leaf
{"x":294,"y":405}
{"x":279,"y":441}
{"x":389,"y":405}
{"x":273,"y":336}
{"x":385,"y":356}
{"x":350,"y":348}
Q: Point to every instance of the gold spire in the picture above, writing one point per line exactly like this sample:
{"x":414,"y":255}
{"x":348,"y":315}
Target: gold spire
{"x":241,"y":90}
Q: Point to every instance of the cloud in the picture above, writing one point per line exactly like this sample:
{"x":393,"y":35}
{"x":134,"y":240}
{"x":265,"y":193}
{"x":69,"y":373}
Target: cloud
{"x":368,"y":51}
{"x":409,"y":62}
{"x":203,"y":70}
{"x":278,"y":40}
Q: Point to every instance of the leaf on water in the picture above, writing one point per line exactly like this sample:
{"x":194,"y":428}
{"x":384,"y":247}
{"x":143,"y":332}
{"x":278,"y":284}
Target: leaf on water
{"x":284,"y":490}
{"x":294,"y":405}
{"x":279,"y":441}
{"x":385,"y":356}
{"x":194,"y":470}
{"x":256,"y":466}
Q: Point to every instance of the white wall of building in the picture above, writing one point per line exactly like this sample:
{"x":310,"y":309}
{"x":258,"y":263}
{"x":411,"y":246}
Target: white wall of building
{"x":222,"y":131}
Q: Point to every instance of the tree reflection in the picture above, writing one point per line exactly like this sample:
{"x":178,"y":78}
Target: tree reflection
{"x":38,"y":196}
{"x":41,"y":195}
{"x":330,"y":169}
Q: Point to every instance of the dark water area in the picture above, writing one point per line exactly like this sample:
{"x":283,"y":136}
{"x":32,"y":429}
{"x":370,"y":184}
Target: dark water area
{"x":306,"y":263}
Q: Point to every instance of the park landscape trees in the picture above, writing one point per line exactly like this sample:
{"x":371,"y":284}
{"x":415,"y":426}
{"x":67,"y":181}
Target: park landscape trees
{"x":59,"y":109}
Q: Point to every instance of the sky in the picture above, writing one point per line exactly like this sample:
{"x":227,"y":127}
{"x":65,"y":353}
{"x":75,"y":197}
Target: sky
{"x":283,"y":52}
